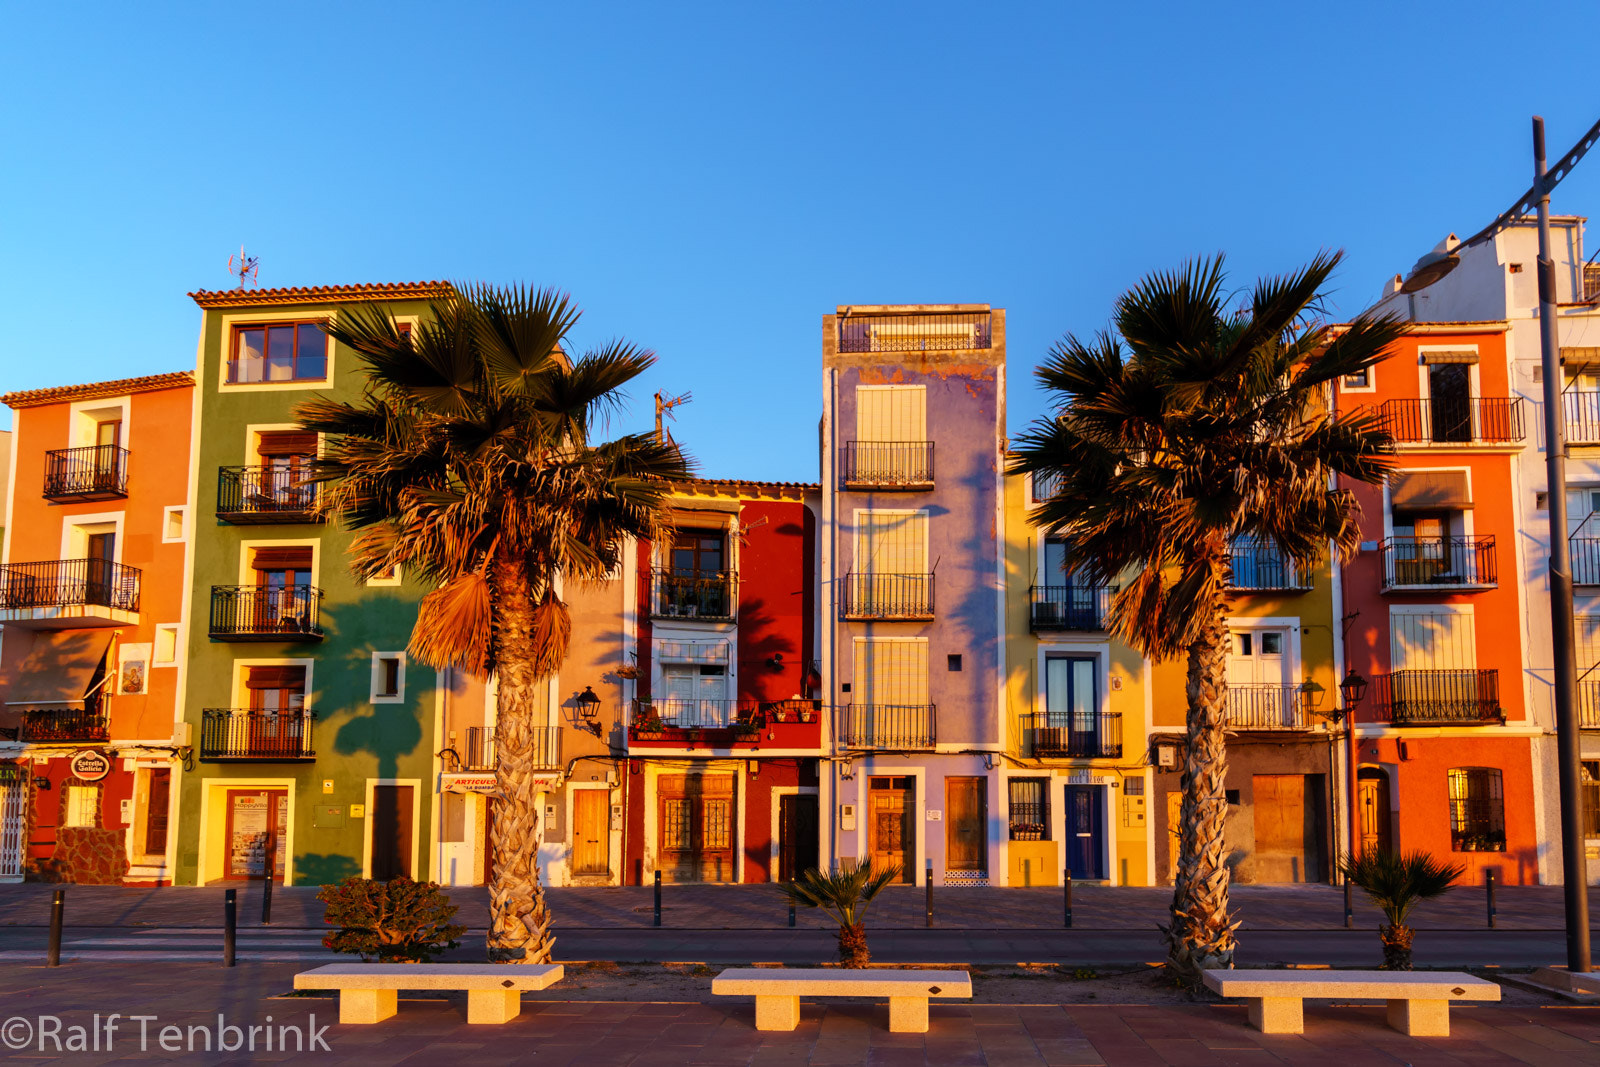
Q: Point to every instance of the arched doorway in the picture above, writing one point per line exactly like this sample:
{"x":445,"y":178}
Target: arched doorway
{"x":1373,"y":808}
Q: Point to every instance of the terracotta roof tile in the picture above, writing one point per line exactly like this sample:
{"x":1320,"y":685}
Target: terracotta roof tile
{"x":29,"y":398}
{"x":310,"y":294}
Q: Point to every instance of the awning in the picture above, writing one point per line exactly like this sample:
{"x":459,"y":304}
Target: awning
{"x":1421,"y":490}
{"x":56,"y":669}
{"x":1451,"y":355}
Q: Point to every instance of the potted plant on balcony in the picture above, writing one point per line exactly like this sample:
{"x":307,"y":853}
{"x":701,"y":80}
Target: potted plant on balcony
{"x":647,"y":724}
{"x":805,"y":713}
{"x":746,"y":731}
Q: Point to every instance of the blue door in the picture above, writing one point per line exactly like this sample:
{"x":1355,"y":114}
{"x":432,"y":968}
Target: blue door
{"x":1085,"y":831}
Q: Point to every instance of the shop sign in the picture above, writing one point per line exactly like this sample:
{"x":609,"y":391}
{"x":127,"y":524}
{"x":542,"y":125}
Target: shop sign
{"x":463,"y":782}
{"x":89,"y":766}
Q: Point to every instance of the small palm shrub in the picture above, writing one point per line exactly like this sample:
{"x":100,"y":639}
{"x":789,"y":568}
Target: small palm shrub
{"x":844,"y":892}
{"x":1397,"y":883}
{"x":398,"y":921}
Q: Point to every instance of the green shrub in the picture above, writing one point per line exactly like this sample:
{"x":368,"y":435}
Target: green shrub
{"x":399,"y":921}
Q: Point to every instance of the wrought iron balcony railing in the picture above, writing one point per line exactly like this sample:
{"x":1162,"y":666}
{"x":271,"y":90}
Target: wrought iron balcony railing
{"x":64,"y":724}
{"x":64,"y":583}
{"x":667,"y":713}
{"x":1259,"y":566}
{"x":1096,"y":735}
{"x":887,"y":465}
{"x":1483,"y":420}
{"x":1434,"y":562}
{"x":1068,"y":607}
{"x":264,"y":613}
{"x":265,"y":494}
{"x":890,"y":727}
{"x":1581,"y":411}
{"x":886,"y":596}
{"x":1584,"y":548}
{"x":1438,"y":698}
{"x":1265,"y":706}
{"x":958,"y":332}
{"x":1589,"y":703}
{"x":694,"y":595}
{"x":248,"y":734}
{"x":97,"y":472}
{"x":479,"y":753}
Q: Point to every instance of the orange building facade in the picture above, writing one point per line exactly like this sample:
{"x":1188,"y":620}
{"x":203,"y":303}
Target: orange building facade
{"x":1432,"y":609}
{"x":91,"y":616}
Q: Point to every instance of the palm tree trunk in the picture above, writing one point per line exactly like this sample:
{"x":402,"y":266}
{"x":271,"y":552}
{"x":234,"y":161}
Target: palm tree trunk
{"x":1201,"y":934}
{"x":519,"y":930}
{"x":853,"y":945}
{"x":1397,"y":939}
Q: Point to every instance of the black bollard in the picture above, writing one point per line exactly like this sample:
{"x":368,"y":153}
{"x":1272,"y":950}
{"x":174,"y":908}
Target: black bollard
{"x":791,"y":906}
{"x":266,"y":900}
{"x":57,"y":906}
{"x":1349,"y":908}
{"x":929,"y":904}
{"x":230,"y":923}
{"x":1066,"y":883}
{"x":1488,"y":886}
{"x":658,"y":898}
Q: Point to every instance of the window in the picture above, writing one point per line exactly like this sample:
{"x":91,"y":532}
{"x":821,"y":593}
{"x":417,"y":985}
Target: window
{"x":1589,"y":777}
{"x":172,"y":519}
{"x":392,"y":577}
{"x":1361,"y":379}
{"x":388,"y":677}
{"x":1030,"y":812}
{"x":276,"y":689}
{"x":1477,"y":810}
{"x":1070,"y":699}
{"x":166,"y":645}
{"x":287,"y":352}
{"x":286,"y":457}
{"x":953,"y":661}
{"x":697,"y":553}
{"x":1045,"y":486}
{"x":80,"y":805}
{"x":1450,"y":401}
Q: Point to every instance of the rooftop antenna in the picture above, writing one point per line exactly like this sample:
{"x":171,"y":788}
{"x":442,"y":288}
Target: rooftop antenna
{"x":244,"y":267}
{"x":664,"y":406}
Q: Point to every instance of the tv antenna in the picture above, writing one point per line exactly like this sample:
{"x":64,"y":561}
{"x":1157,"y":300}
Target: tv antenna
{"x":664,"y":406}
{"x":244,"y":267}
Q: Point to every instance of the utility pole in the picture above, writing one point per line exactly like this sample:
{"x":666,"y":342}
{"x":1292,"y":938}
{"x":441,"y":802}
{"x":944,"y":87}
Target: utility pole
{"x":1575,"y":875}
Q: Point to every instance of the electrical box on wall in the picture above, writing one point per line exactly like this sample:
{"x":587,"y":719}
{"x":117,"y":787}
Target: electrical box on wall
{"x":616,"y":816}
{"x":1166,"y":755}
{"x":1132,"y":811}
{"x":847,"y":816}
{"x":127,"y":812}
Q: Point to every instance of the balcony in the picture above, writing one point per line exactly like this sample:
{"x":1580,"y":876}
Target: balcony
{"x":98,"y":472}
{"x":887,"y":466}
{"x":703,"y":595}
{"x":1588,"y":703}
{"x":1581,"y":416}
{"x":1068,"y":607}
{"x":256,"y":496}
{"x":890,"y":727}
{"x":1074,"y":736}
{"x":478,"y":752}
{"x":960,"y":332}
{"x":265,"y":736}
{"x":1431,"y":563}
{"x":1485,"y":420}
{"x":263,"y":613}
{"x":64,"y":724}
{"x":1265,"y":706}
{"x":69,"y":592}
{"x":1260,"y":567}
{"x":890,"y":597}
{"x":668,"y":723}
{"x":1439,"y":698}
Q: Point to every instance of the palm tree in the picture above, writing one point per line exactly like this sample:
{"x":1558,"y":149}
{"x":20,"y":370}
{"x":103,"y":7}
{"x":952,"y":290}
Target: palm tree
{"x":845,"y":893}
{"x":470,"y":461}
{"x":1397,"y":884}
{"x":1187,"y":428}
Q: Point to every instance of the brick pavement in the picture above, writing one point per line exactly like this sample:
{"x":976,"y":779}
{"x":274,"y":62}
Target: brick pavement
{"x":645,"y":1034}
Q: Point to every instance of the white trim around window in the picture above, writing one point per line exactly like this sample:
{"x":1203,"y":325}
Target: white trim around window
{"x":376,"y":694}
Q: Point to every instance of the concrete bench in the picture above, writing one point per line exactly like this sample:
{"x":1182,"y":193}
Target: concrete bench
{"x":368,"y":991}
{"x":778,"y":992}
{"x":1419,"y":1002}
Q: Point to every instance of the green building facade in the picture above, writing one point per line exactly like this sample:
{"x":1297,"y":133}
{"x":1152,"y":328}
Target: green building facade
{"x":311,"y":732}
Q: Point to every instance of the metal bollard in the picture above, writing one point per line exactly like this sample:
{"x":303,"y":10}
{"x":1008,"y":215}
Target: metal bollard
{"x":266,"y":900}
{"x":1488,"y":885}
{"x":230,"y":923}
{"x":791,"y":906}
{"x":1349,"y":908}
{"x":57,"y":906}
{"x":929,"y":903}
{"x":1066,"y":882}
{"x":658,"y":898}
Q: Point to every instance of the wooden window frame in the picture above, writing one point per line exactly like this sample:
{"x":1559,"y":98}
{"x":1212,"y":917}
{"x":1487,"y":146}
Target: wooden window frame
{"x":231,"y":357}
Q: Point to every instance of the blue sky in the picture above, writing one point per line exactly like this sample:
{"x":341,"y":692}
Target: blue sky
{"x":709,"y":180}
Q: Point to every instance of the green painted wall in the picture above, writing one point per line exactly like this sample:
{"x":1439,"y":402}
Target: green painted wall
{"x":355,"y":740}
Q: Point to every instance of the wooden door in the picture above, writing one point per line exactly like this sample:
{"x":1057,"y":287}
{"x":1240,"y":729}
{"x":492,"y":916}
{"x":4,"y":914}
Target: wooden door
{"x":695,"y":828}
{"x":257,"y":819}
{"x":1373,"y":808}
{"x":157,"y":800}
{"x":1287,"y":836}
{"x":99,"y":576}
{"x":966,"y":822}
{"x":1085,"y":831}
{"x":797,"y":835}
{"x":391,"y":831}
{"x":591,"y":832}
{"x":891,"y":837}
{"x":1174,"y":821}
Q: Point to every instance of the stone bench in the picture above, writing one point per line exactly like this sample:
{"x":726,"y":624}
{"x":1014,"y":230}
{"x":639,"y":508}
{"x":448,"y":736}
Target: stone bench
{"x":778,"y":992}
{"x":368,"y":992}
{"x":1419,"y":1002}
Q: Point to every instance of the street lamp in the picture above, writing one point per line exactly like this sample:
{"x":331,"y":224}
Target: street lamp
{"x":588,"y":703}
{"x":1575,"y":875}
{"x":1351,"y":690}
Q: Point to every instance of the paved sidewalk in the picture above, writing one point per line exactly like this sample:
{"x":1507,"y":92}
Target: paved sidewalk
{"x":556,"y":1033}
{"x":757,"y":907}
